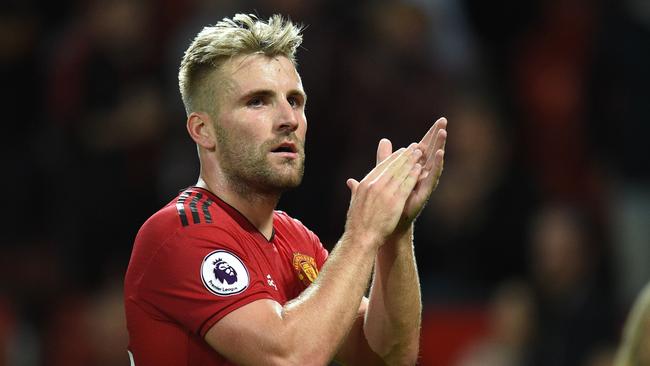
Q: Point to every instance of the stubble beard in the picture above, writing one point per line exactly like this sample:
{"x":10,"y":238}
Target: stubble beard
{"x":249,"y":170}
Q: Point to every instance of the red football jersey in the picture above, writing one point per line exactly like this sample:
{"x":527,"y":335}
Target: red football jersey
{"x":198,"y":259}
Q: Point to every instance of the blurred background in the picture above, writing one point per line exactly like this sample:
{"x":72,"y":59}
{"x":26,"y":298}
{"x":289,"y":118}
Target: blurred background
{"x":530,"y":252}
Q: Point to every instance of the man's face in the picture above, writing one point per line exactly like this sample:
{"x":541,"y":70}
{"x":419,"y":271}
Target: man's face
{"x":260,"y":123}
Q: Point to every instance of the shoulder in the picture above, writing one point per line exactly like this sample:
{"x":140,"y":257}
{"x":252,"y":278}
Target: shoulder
{"x":192,"y":211}
{"x":293,"y":228}
{"x":305,"y":247}
{"x":284,"y":223}
{"x":283,"y":219}
{"x":194,"y":206}
{"x":187,"y":232}
{"x":190,"y":224}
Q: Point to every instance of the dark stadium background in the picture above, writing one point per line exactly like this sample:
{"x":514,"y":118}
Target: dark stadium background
{"x":534,"y":245}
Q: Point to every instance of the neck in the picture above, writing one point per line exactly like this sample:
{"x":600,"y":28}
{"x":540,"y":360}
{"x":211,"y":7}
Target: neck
{"x":257,"y":207}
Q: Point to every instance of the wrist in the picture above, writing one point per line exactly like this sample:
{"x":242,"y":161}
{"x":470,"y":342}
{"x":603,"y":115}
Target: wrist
{"x":403,"y":231}
{"x":363,"y":239}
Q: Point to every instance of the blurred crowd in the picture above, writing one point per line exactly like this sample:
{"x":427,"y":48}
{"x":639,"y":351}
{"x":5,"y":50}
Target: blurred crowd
{"x":531,"y":251}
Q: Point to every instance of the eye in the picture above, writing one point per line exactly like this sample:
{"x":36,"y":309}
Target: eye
{"x":256,"y":101}
{"x":295,"y":101}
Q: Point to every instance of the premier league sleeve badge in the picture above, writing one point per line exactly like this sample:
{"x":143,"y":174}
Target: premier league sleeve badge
{"x":224,"y":274}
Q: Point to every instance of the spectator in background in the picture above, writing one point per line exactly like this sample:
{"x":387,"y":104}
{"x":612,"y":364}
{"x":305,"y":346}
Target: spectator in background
{"x":550,"y":78}
{"x":511,"y":325}
{"x":104,"y":93}
{"x":390,"y":59}
{"x":88,"y":330}
{"x":21,"y":52}
{"x":469,"y":249}
{"x":619,"y":131}
{"x":575,"y":314}
{"x":634,"y":349}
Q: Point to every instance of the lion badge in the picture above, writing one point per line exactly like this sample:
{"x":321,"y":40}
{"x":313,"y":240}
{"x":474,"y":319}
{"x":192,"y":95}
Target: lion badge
{"x":305,"y":267}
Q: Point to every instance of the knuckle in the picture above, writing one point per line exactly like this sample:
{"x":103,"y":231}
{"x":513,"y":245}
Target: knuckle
{"x":374,"y":188}
{"x":363,"y":185}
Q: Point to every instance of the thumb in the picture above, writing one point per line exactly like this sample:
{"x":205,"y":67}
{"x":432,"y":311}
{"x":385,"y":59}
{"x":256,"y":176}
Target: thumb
{"x":352,"y":184}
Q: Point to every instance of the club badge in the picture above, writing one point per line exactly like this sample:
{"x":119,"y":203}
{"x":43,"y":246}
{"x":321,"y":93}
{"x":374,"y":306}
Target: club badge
{"x":305,"y":267}
{"x":224,"y":274}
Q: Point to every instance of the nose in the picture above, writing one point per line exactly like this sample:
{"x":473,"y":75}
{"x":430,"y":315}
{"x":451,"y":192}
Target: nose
{"x":287,"y":118}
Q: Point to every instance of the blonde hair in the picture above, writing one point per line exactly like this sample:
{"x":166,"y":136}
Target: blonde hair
{"x":241,"y":35}
{"x":635,"y":330}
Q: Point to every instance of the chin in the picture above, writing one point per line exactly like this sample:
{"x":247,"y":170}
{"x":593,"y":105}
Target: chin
{"x":288,"y":183}
{"x":289,"y":175}
{"x":278,"y":178}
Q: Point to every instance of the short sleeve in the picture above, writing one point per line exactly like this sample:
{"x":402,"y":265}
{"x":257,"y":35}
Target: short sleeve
{"x":198,"y":276}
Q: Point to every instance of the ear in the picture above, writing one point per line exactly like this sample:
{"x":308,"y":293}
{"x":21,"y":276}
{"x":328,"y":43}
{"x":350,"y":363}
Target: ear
{"x":199,"y":126}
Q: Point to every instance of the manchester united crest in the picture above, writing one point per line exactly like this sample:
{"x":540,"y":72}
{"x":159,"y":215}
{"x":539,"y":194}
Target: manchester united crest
{"x":305,"y":267}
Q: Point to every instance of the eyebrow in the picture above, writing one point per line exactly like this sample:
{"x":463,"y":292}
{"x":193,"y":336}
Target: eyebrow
{"x":270,"y":93}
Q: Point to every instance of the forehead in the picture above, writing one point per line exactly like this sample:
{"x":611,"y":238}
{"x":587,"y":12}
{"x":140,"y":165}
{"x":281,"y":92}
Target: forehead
{"x":257,"y":71}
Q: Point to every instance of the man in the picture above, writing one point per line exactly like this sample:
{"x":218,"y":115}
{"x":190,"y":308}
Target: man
{"x":218,"y":277}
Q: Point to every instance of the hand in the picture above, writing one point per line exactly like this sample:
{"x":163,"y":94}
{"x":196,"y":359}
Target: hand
{"x":432,"y":160}
{"x":378,"y":201}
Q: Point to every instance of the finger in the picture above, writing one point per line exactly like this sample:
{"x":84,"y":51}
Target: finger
{"x":384,"y":149}
{"x":399,"y":170}
{"x":381,"y":167}
{"x":439,"y":145}
{"x":442,"y":126}
{"x":431,"y":133}
{"x":409,"y":183}
{"x":352,"y":184}
{"x":440,"y":162}
{"x":427,"y":144}
{"x":426,"y":139}
{"x":432,"y":176}
{"x":437,"y":172}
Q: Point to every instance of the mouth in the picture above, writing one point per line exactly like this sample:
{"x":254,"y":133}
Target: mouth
{"x":287,"y":148}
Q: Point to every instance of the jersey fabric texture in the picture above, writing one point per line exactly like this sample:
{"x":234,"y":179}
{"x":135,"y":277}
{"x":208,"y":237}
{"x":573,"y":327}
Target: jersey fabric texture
{"x":198,"y":259}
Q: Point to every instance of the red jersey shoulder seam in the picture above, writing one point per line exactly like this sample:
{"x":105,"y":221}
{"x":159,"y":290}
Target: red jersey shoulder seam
{"x":194,"y":207}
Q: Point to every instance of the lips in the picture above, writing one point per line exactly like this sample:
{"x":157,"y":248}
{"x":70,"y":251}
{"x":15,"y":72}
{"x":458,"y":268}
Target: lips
{"x":285,"y":147}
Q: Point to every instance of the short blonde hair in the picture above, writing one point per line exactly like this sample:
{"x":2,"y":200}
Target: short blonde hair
{"x":635,"y":331}
{"x":241,"y":35}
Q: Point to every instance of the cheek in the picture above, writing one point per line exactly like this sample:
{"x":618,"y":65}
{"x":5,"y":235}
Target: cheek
{"x":302,"y":127}
{"x":248,"y":136}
